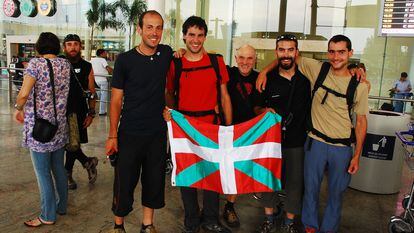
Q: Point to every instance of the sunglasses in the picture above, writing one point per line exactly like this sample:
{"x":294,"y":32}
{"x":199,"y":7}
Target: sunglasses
{"x":286,"y":37}
{"x":72,"y":37}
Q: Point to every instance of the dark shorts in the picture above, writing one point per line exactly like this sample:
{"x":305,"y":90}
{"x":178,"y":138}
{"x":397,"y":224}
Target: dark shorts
{"x":143,"y":156}
{"x":292,"y":181}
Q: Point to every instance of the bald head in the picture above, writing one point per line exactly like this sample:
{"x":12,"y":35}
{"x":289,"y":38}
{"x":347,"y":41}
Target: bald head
{"x":245,"y":59}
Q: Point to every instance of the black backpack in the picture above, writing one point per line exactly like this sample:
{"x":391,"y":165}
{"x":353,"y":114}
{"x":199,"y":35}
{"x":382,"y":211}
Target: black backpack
{"x":349,"y":96}
{"x":178,"y":66}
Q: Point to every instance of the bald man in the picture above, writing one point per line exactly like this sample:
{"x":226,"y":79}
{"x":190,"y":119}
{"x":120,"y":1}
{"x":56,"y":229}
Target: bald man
{"x":240,"y":87}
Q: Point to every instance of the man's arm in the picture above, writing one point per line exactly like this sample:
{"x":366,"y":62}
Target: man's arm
{"x":117,"y":96}
{"x":91,"y":101}
{"x":360,"y":133}
{"x":109,"y":69}
{"x":226,"y":104}
{"x":262,"y":79}
{"x":170,"y":98}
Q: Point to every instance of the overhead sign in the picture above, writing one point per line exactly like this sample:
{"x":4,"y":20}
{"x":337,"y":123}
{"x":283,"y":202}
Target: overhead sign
{"x":397,"y":18}
{"x":46,"y":7}
{"x":28,"y":8}
{"x":11,"y":8}
{"x":378,"y":147}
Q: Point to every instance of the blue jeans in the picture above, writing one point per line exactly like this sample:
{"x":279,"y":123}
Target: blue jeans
{"x":45,"y":164}
{"x":399,"y":105}
{"x":103,"y":95}
{"x":317,"y":158}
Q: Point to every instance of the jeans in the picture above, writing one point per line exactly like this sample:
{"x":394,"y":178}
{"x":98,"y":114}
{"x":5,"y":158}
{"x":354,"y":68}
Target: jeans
{"x":103,"y":95}
{"x":399,"y":105}
{"x":317,"y":158}
{"x":45,"y":164}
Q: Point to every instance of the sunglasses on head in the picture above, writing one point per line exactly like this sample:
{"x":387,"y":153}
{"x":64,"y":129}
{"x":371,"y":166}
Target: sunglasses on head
{"x":286,"y":37}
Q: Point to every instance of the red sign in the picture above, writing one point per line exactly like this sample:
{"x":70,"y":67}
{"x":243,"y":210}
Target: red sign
{"x":11,"y":8}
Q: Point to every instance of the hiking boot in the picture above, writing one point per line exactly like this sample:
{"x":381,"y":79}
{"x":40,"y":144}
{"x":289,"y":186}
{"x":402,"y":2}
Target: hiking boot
{"x":71,"y":182}
{"x":191,"y":230}
{"x":90,"y":167}
{"x":266,"y":227}
{"x":230,"y":217}
{"x":289,"y":228}
{"x":215,"y":228}
{"x":148,"y":229}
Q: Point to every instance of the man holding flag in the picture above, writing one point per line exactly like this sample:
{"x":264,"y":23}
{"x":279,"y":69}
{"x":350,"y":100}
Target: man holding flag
{"x":288,"y":93}
{"x":195,"y":88}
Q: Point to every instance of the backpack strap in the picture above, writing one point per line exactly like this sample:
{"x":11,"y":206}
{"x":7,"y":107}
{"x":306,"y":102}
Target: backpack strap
{"x":350,"y":94}
{"x":178,"y":68}
{"x":215,"y":64}
{"x":321,"y":77}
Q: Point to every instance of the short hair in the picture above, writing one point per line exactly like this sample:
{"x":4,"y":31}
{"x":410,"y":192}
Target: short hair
{"x":48,"y":43}
{"x":352,"y":66}
{"x":404,"y":75}
{"x":99,"y":52}
{"x":340,"y":38}
{"x":287,"y":37}
{"x":151,"y":12}
{"x":195,"y":21}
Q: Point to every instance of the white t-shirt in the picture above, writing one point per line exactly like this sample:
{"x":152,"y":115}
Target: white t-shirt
{"x":99,"y":65}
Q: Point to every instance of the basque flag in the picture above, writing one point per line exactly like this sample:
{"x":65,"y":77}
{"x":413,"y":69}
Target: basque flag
{"x":244,"y":158}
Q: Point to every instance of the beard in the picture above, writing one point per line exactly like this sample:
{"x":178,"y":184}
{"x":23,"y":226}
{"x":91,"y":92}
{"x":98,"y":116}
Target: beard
{"x":286,"y":66}
{"x":73,"y":59}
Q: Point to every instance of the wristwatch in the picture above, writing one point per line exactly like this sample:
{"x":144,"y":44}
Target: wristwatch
{"x":91,"y":113}
{"x":18,"y":107}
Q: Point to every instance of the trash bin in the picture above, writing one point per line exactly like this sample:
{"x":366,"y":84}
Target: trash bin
{"x":380,"y":164}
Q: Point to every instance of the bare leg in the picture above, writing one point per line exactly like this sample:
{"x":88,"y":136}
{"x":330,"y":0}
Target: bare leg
{"x":147,"y":216}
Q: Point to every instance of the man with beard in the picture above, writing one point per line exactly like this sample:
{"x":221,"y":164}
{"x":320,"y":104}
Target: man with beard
{"x":84,"y":73}
{"x":199,"y":90}
{"x":287,"y":93}
{"x":241,"y":90}
{"x":139,"y":136}
{"x":332,"y":135}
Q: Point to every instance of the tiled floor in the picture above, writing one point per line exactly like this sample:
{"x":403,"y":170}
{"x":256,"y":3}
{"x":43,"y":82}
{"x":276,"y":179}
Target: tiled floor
{"x":90,"y":205}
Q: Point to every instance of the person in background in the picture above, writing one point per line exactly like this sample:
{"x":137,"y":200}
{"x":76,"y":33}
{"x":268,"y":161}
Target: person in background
{"x":47,"y":158}
{"x":101,"y":69}
{"x":402,"y":90}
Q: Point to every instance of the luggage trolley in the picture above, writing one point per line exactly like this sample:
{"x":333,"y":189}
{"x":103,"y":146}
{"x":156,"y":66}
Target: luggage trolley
{"x":405,"y":222}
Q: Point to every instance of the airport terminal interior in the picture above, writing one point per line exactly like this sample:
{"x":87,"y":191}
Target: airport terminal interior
{"x":386,"y":48}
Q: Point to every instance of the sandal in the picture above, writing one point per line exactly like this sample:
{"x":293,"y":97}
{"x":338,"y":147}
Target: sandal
{"x":37,"y":222}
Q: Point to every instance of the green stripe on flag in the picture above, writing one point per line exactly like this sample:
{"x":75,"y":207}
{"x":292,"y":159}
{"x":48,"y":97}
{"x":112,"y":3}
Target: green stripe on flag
{"x":192,"y":132}
{"x":259,"y":173}
{"x":251,"y":135}
{"x":195,"y":173}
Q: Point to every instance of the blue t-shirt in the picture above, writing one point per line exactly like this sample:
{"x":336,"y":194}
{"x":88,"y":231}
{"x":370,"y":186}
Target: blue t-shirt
{"x":402,"y":87}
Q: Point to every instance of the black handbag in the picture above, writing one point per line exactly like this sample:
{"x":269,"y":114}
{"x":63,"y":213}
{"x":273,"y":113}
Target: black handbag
{"x":44,"y":130}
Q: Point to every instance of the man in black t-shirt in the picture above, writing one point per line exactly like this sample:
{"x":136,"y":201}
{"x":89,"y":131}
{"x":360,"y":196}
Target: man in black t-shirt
{"x":287,"y":92}
{"x":241,"y":88}
{"x":137,"y":103}
{"x":85,"y":112}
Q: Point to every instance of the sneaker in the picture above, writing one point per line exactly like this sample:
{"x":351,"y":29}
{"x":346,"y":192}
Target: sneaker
{"x":266,"y":227}
{"x":90,"y":167}
{"x":71,"y":182}
{"x":230,"y":217}
{"x":148,"y":229}
{"x":310,"y":230}
{"x":290,"y":228}
{"x":191,"y":230}
{"x":215,"y":228}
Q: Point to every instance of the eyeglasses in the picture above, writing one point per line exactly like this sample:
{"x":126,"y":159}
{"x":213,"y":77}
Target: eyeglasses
{"x":286,"y":37}
{"x":71,"y":37}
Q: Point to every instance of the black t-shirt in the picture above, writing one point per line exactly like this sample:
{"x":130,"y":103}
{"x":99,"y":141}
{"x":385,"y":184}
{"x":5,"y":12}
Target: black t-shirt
{"x":82,"y":69}
{"x":276,"y":96}
{"x":242,"y":102}
{"x":142,"y":78}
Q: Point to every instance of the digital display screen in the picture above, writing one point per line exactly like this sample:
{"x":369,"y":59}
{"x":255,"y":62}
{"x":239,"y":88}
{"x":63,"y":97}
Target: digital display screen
{"x":397,"y":18}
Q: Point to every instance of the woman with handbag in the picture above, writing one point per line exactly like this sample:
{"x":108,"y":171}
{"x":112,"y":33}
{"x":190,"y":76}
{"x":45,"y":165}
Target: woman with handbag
{"x":41,"y":106}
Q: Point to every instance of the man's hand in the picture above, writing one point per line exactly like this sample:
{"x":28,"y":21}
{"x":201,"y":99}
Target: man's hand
{"x":166,"y":114}
{"x":179,"y":53}
{"x":19,"y":116}
{"x":353,"y":165}
{"x":111,"y":145}
{"x":87,"y":122}
{"x":362,"y":77}
{"x":261,"y":81}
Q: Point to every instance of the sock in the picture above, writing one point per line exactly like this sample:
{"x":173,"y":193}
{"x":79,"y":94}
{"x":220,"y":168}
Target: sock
{"x":270,"y":218}
{"x":121,"y":226}
{"x":287,"y":221}
{"x":229,"y":205}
